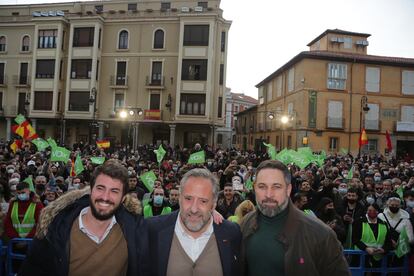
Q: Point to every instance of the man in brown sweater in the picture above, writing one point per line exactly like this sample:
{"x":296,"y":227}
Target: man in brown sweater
{"x":187,"y":242}
{"x":82,"y":234}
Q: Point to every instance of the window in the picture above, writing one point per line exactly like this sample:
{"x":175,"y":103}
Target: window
{"x":21,"y":108}
{"x":193,"y":104}
{"x":159,"y":39}
{"x":335,"y":109}
{"x":165,"y":6}
{"x":79,"y":101}
{"x":2,"y":77}
{"x":221,"y":79}
{"x":347,"y":42}
{"x":132,"y":7}
{"x":47,"y":39}
{"x":81,"y":69}
{"x":25,"y":43}
{"x":45,"y":68}
{"x":196,"y":35}
{"x":336,"y":76}
{"x":119,"y":100}
{"x":203,"y":4}
{"x":279,"y":86}
{"x":220,"y":107}
{"x":372,"y":79}
{"x":372,"y":146}
{"x":194,"y":69}
{"x":99,"y":8}
{"x":83,"y":37}
{"x":333,"y":143}
{"x":223,"y":41}
{"x":407,"y":113}
{"x":289,"y":141}
{"x":372,"y":117}
{"x":155,"y":101}
{"x":1,"y":100}
{"x":121,"y":73}
{"x":291,"y":79}
{"x":123,"y":40}
{"x":43,"y":100}
{"x":23,"y":79}
{"x":156,"y":72}
{"x":408,"y":82}
{"x":2,"y":43}
{"x":269,"y":95}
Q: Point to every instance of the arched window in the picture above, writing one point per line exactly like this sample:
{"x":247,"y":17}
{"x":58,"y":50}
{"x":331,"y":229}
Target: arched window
{"x":123,"y":40}
{"x":25,"y":43}
{"x":2,"y":43}
{"x":159,"y":39}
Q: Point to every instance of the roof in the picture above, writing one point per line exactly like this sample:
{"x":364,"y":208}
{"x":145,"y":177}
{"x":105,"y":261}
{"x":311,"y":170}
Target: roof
{"x":344,"y":57}
{"x":247,"y":110}
{"x":337,"y":31}
{"x":242,"y":97}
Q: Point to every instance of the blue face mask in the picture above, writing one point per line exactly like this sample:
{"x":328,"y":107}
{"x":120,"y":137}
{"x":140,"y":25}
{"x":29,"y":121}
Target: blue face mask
{"x":158,"y":200}
{"x":23,"y":197}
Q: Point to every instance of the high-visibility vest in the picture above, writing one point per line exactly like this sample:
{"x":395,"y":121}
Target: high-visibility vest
{"x":308,"y":212}
{"x":234,"y":219}
{"x":23,"y":228}
{"x":148,"y":211}
{"x":369,"y":239}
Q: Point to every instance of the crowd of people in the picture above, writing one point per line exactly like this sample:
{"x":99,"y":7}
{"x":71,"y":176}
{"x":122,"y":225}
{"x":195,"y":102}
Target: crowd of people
{"x":367,"y":200}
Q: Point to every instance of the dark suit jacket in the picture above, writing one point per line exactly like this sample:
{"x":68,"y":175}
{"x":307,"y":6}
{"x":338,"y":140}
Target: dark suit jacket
{"x":161,"y":233}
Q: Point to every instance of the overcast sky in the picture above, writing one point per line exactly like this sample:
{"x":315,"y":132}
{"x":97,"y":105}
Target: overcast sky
{"x":265,"y":34}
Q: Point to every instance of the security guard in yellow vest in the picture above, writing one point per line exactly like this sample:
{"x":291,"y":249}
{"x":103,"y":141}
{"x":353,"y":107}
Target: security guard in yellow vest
{"x":157,"y":206}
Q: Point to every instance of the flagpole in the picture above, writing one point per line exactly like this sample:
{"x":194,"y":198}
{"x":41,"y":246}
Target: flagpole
{"x":365,"y":109}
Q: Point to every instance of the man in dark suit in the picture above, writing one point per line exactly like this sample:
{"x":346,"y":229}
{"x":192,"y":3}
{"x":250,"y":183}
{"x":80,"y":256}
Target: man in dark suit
{"x":188,"y":242}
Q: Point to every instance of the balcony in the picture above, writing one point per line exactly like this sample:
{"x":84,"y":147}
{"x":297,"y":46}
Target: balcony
{"x":152,"y":114}
{"x":3,"y":81}
{"x":120,"y":81}
{"x":155,"y":81}
{"x":372,"y":125}
{"x":405,"y":126}
{"x":335,"y":123}
{"x":21,"y":81}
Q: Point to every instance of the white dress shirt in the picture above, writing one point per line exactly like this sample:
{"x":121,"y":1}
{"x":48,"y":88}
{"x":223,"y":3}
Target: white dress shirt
{"x":88,"y":233}
{"x":193,"y":247}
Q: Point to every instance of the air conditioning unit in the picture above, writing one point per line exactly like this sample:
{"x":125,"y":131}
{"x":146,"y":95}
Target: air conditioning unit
{"x":334,"y":39}
{"x":198,"y":9}
{"x":340,"y":40}
{"x":365,"y":42}
{"x":185,"y":9}
{"x":362,"y":43}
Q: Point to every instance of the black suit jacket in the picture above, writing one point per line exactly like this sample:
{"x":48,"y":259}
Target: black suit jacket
{"x":161,"y":233}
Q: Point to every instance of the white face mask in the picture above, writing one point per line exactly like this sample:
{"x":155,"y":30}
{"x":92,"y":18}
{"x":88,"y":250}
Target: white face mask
{"x":410,"y":203}
{"x":370,"y":200}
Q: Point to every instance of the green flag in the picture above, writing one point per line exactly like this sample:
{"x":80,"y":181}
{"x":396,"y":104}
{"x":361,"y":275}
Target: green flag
{"x":98,"y":160}
{"x":60,"y":154}
{"x":78,"y":165}
{"x":29,"y":180}
{"x":306,"y":151}
{"x":400,"y":192}
{"x":52,"y":142}
{"x":350,"y":173}
{"x":284,"y":156}
{"x":318,"y":159}
{"x":19,"y":119}
{"x":344,"y":151}
{"x":300,"y":159}
{"x":323,"y":154}
{"x":249,"y":184}
{"x":196,"y":158}
{"x":148,"y":179}
{"x":160,"y":152}
{"x":271,"y":150}
{"x":403,"y":245}
{"x":40,"y":144}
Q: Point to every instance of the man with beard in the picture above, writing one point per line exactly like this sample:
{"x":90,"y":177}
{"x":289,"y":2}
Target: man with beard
{"x":79,"y":234}
{"x":279,"y":239}
{"x":188,"y":242}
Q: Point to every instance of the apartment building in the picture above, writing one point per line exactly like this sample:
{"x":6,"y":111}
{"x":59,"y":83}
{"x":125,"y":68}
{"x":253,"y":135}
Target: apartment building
{"x":73,"y":68}
{"x":325,"y":96}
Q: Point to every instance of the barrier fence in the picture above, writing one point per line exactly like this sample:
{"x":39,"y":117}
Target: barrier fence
{"x":356,"y":260}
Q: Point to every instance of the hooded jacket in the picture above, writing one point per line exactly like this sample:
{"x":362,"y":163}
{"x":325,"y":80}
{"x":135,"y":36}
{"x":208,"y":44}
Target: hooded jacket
{"x":50,"y":250}
{"x":311,"y":248}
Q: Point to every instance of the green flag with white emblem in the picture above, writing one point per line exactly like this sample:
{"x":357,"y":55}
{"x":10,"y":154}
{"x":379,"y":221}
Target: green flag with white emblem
{"x":271,"y":150}
{"x":403,"y":245}
{"x":197,"y":158}
{"x":98,"y":160}
{"x":60,"y":154}
{"x":148,"y":179}
{"x":40,"y":144}
{"x":160,"y":152}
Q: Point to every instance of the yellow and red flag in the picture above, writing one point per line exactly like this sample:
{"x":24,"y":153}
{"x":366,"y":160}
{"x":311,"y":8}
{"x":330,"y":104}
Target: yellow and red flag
{"x":24,"y":129}
{"x":103,"y":144}
{"x":363,"y":138}
{"x":389,"y":143}
{"x":17,"y":144}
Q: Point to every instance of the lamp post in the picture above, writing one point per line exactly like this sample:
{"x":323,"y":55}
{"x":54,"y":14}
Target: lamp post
{"x":93,"y":124}
{"x":132,"y":111}
{"x":26,"y":107}
{"x":364,"y":109}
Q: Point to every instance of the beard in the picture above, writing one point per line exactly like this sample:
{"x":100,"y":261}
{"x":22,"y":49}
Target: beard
{"x":195,"y":226}
{"x":99,"y":215}
{"x":272,"y":211}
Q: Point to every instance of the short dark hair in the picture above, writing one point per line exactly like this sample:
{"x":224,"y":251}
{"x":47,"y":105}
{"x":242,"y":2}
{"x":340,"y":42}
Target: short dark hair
{"x":353,"y":190}
{"x":114,"y":169}
{"x":21,"y":186}
{"x":276,"y":165}
{"x":298,"y":196}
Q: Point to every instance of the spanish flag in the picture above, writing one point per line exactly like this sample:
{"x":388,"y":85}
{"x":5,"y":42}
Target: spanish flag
{"x":103,"y":144}
{"x":363,"y":138}
{"x":17,"y":144}
{"x":24,"y":129}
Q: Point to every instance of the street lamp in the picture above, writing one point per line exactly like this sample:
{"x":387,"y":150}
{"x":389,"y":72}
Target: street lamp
{"x":26,"y":107}
{"x":284,"y":119}
{"x":364,"y":109}
{"x":123,"y":113}
{"x":93,"y":124}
